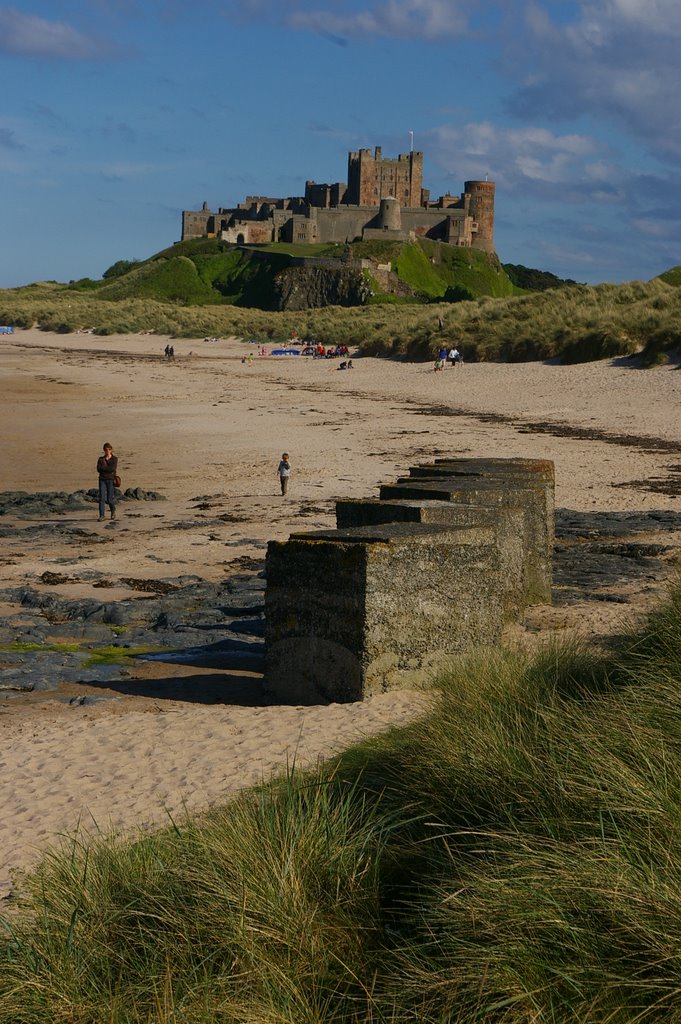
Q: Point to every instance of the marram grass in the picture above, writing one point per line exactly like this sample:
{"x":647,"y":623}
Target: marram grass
{"x":573,"y":324}
{"x":514,"y":857}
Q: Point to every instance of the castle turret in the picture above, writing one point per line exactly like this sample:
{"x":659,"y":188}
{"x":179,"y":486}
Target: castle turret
{"x":389,"y":215}
{"x":481,"y":209}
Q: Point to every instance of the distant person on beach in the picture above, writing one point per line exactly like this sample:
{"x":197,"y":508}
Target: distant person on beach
{"x":107,"y":467}
{"x":284,"y":472}
{"x":455,"y":357}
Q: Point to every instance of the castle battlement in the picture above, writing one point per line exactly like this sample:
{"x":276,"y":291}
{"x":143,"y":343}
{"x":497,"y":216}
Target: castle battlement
{"x":382,"y":198}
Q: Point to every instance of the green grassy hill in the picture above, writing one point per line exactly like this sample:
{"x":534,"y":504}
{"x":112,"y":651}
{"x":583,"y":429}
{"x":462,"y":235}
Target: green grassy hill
{"x":443,"y":272}
{"x":197,"y":274}
{"x":672,"y":276}
{"x":210,"y":272}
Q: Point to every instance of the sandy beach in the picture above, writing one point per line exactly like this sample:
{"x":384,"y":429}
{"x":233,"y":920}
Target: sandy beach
{"x":207,"y":431}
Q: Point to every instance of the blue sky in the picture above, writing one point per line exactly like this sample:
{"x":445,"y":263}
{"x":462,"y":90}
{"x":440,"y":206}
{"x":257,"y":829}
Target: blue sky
{"x":117,"y":114}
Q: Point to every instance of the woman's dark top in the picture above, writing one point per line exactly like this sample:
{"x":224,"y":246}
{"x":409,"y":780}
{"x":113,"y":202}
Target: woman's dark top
{"x":107,"y":468}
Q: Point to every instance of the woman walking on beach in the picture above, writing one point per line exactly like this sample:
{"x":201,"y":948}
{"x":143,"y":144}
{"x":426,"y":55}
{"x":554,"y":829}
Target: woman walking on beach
{"x":107,"y":467}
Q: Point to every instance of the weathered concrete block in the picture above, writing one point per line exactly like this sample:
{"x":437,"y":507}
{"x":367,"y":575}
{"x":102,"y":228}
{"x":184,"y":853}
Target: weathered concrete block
{"x":539,"y":474}
{"x":508,"y":524}
{"x":498,"y":492}
{"x":350,"y":613}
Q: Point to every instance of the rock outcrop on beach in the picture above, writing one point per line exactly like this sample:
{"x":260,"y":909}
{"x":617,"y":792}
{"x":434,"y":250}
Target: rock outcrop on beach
{"x":54,"y":640}
{"x":23,"y":503}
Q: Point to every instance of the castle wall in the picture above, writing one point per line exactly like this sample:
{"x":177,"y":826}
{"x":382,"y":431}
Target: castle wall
{"x":481,"y":209}
{"x":340,"y":213}
{"x":333,"y":224}
{"x":197,"y":223}
{"x":325,"y":195}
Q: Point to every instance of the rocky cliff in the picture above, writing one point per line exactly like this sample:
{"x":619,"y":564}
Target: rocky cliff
{"x":312,"y":287}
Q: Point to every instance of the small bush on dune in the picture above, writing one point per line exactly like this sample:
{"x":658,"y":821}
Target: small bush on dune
{"x":604,"y":343}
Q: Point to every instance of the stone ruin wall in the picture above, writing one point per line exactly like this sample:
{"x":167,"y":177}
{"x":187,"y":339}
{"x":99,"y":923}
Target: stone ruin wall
{"x":433,"y":568}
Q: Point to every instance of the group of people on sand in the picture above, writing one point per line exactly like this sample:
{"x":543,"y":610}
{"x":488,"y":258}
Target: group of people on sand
{"x":451,"y":356}
{"x":169,"y":351}
{"x":332,"y":352}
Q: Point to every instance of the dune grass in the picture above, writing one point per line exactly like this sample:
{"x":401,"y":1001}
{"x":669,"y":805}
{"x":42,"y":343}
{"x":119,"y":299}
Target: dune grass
{"x":512,"y":858}
{"x":569,"y":324}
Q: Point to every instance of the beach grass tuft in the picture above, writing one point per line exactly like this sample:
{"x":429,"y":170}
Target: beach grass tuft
{"x":512,"y":857}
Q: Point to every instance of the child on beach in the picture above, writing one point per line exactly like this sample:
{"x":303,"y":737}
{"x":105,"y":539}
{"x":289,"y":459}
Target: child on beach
{"x":284,"y":472}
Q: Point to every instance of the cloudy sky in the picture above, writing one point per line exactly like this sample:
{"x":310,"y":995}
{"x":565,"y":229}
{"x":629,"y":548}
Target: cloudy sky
{"x":117,"y":114}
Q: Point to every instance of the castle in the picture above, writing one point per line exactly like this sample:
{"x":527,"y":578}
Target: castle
{"x":382,"y":199}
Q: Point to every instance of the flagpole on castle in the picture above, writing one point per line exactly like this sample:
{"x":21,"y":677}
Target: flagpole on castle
{"x":411,"y":142}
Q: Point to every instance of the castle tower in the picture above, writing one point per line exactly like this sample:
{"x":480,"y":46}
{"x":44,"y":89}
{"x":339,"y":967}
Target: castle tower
{"x":482,"y":211}
{"x":371,"y":178}
{"x":389,"y":214}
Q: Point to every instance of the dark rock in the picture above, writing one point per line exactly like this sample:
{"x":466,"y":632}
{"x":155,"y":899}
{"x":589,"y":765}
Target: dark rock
{"x":23,"y":503}
{"x":312,"y":287}
{"x":139,"y":494}
{"x":253,"y":627}
{"x":85,"y":701}
{"x":20,"y":682}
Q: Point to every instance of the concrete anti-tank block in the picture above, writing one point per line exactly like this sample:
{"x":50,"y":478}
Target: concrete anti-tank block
{"x":538,"y":474}
{"x":508,"y":524}
{"x":498,"y":492}
{"x":351,"y":613}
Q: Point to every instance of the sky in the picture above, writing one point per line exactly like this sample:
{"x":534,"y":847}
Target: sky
{"x":115,"y":115}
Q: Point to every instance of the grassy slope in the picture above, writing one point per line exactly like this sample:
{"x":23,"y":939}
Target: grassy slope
{"x":575,"y":323}
{"x":513,"y":858}
{"x":449,"y":273}
{"x":199,"y":274}
{"x":207,"y":271}
{"x":672,"y":276}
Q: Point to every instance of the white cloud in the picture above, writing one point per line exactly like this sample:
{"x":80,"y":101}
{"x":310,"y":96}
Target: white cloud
{"x":520,"y":158}
{"x":27,"y":35}
{"x":663,"y":229}
{"x":617,"y":59}
{"x":425,"y":19}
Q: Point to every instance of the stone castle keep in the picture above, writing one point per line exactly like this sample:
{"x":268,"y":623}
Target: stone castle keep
{"x":434,"y":567}
{"x":382,"y":199}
